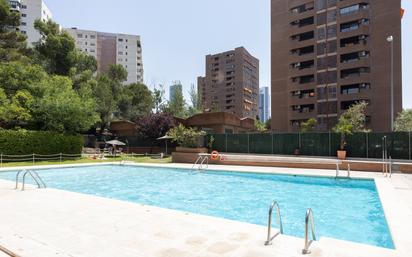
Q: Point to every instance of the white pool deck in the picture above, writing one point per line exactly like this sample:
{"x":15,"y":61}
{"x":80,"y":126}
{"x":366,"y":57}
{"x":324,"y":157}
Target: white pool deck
{"x":50,"y":222}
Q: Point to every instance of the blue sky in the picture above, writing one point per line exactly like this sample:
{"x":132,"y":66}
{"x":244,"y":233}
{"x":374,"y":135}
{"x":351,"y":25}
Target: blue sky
{"x":176,"y":35}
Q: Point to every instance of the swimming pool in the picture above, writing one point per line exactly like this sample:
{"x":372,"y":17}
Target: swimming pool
{"x":343,"y":209}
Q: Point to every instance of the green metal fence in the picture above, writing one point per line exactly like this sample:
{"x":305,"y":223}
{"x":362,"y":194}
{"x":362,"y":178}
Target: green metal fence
{"x":359,"y":145}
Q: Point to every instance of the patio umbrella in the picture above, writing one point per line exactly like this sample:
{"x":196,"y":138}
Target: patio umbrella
{"x":165,"y":138}
{"x":115,"y":143}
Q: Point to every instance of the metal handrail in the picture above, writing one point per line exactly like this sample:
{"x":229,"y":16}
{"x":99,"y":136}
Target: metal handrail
{"x":347,"y":174}
{"x":205,"y":159}
{"x":197,"y":162}
{"x":36,"y":177}
{"x":39,"y":178}
{"x":17,"y":177}
{"x":309,"y":218}
{"x":270,"y":237}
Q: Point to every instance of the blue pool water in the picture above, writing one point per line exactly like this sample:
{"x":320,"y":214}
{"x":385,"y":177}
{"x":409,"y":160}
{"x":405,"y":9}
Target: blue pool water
{"x":343,"y":209}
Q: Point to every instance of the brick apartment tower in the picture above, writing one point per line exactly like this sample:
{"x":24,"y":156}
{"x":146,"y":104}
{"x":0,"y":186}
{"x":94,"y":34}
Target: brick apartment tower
{"x":329,"y":54}
{"x":231,"y":83}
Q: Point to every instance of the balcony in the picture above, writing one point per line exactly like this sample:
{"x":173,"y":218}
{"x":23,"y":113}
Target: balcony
{"x":354,"y":57}
{"x":15,"y":5}
{"x":303,"y":36}
{"x":303,"y":51}
{"x":305,"y":79}
{"x":355,"y":43}
{"x":353,"y":25}
{"x":354,"y":72}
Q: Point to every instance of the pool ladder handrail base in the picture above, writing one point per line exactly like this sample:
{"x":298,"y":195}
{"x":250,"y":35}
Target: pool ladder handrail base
{"x":269,"y":236}
{"x":35,"y":176}
{"x":309,"y":218}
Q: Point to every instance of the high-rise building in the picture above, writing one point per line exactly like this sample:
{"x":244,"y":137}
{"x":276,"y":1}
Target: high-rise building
{"x":30,"y":10}
{"x":109,"y":49}
{"x":231,"y":83}
{"x":328,"y":55}
{"x":174,"y":89}
{"x":264,"y":104}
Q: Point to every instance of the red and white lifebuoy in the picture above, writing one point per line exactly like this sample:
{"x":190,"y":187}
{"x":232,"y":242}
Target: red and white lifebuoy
{"x":214,"y":155}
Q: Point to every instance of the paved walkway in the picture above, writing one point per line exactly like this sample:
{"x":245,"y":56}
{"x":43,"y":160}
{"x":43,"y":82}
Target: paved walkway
{"x":51,"y":222}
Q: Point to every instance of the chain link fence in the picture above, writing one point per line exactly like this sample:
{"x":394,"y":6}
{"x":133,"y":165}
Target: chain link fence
{"x":359,"y":145}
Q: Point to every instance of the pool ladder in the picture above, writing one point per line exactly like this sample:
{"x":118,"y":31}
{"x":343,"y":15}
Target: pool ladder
{"x":35,"y":176}
{"x":347,"y":174}
{"x":308,"y":221}
{"x":201,"y":160}
{"x":270,"y":237}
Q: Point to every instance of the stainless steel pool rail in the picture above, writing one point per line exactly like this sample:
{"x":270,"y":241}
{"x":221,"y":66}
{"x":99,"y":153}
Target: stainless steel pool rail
{"x":269,"y":236}
{"x":347,"y":174}
{"x":203,"y":159}
{"x":387,"y":162}
{"x":35,"y":176}
{"x":309,"y":219}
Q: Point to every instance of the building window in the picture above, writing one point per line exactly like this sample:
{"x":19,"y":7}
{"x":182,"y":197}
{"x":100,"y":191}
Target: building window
{"x":353,"y":9}
{"x":23,"y":15}
{"x":23,"y":23}
{"x":79,"y":35}
{"x":120,"y":39}
{"x":92,"y":37}
{"x":353,"y":25}
{"x":23,"y":6}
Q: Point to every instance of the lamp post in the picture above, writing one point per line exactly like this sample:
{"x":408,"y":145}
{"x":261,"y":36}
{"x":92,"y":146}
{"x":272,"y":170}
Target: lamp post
{"x":390,"y":40}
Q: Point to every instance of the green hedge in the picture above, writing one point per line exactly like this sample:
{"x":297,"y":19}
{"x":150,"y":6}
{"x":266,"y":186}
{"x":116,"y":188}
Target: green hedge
{"x":20,"y":142}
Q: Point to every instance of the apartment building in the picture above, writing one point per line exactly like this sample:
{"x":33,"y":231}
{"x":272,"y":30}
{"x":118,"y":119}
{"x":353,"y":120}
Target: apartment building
{"x":30,"y":11}
{"x":328,"y":55}
{"x":109,"y":48}
{"x":264,"y":104}
{"x":231,"y":83}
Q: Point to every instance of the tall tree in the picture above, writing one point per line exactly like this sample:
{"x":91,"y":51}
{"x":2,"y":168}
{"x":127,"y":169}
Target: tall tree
{"x":195,"y":106}
{"x":159,"y":99}
{"x":136,"y":101}
{"x":403,"y":122}
{"x":61,"y":109}
{"x":57,"y":50}
{"x":107,"y":93}
{"x":12,"y":43}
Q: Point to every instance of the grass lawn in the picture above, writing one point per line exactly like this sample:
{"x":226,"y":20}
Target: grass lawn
{"x":88,"y":160}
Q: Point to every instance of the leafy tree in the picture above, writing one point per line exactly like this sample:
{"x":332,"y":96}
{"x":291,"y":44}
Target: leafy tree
{"x":154,"y":125}
{"x":12,"y":43}
{"x":260,"y":126}
{"x":61,"y":109}
{"x":186,"y":137}
{"x":353,"y":120}
{"x":403,"y":122}
{"x":117,"y":73}
{"x":107,"y":92}
{"x":159,"y":99}
{"x":269,"y":124}
{"x":136,"y":101}
{"x":195,"y":107}
{"x":57,"y":49}
{"x":17,"y":87}
{"x":308,"y":126}
{"x":177,"y":105}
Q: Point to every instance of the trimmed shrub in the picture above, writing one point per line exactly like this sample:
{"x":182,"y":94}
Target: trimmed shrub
{"x":20,"y":142}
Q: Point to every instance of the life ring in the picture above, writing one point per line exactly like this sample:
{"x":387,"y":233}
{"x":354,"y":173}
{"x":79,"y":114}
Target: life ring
{"x":214,"y":155}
